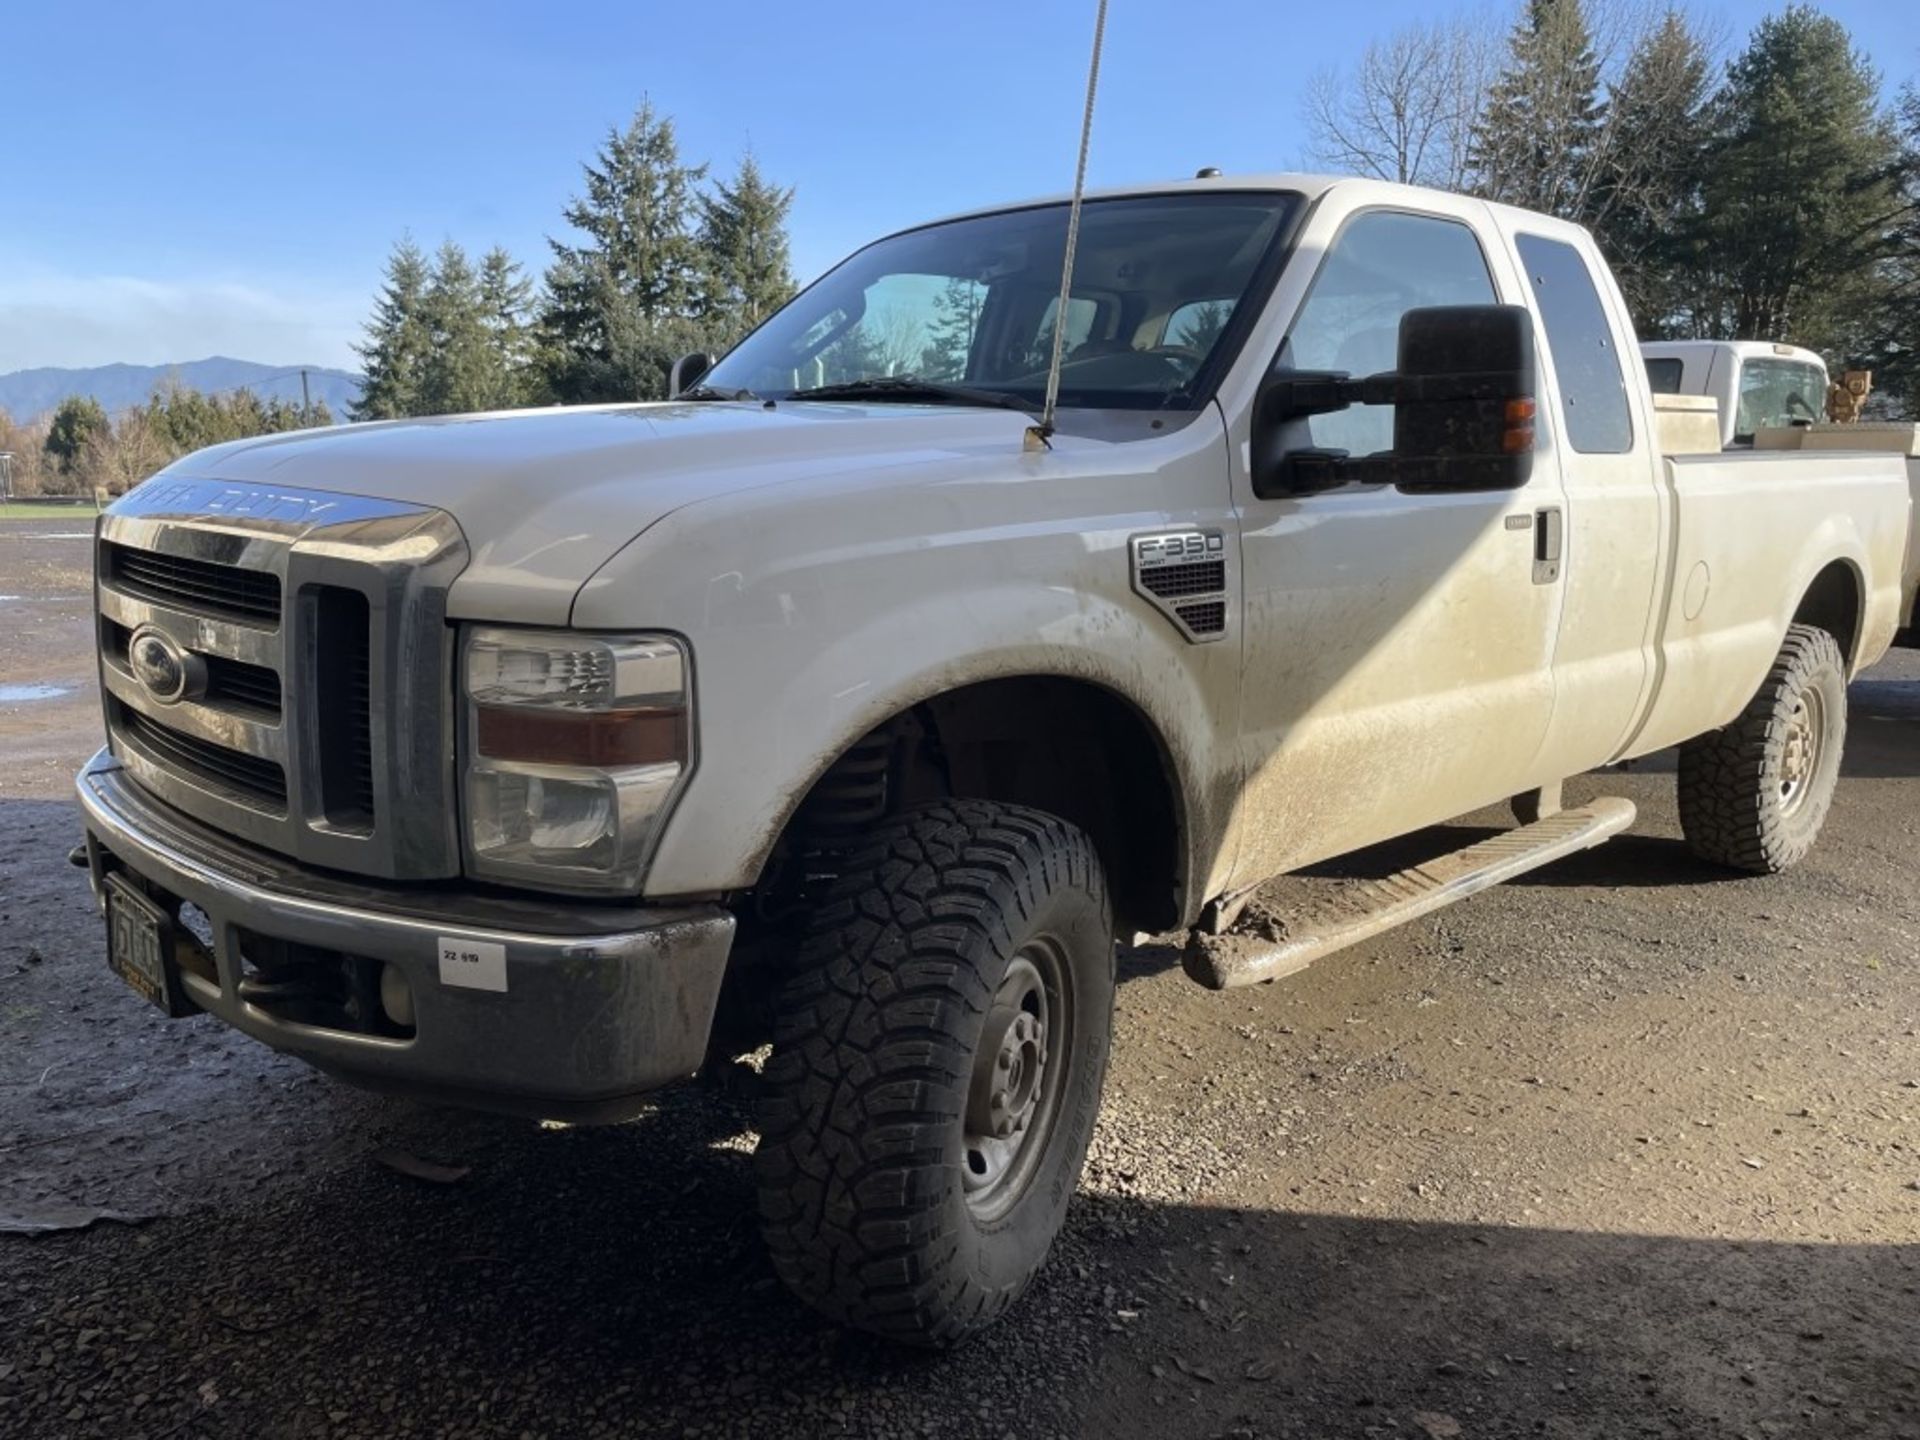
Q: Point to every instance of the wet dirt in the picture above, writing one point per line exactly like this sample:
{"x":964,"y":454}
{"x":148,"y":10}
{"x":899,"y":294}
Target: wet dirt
{"x":1628,"y":1147}
{"x":49,"y":690}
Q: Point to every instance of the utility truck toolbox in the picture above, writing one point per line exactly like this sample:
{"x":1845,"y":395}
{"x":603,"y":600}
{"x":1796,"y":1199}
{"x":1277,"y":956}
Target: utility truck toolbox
{"x":840,"y":712}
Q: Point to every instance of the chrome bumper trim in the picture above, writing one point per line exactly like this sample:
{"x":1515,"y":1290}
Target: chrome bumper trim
{"x":602,"y":1003}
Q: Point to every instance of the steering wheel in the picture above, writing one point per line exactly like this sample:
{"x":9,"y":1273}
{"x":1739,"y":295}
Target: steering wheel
{"x":1186,"y":354}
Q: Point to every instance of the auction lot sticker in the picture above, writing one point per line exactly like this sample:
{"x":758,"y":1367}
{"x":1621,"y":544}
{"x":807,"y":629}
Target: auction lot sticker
{"x":474,"y":964}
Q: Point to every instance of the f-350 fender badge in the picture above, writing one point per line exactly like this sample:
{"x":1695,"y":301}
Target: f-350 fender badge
{"x":1183,"y":575}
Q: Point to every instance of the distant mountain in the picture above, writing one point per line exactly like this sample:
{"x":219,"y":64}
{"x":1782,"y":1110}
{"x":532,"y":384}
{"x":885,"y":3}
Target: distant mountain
{"x":27,"y":394}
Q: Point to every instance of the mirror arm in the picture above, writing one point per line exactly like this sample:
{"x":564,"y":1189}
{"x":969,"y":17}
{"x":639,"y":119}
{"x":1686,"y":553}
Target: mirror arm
{"x":1294,"y":395}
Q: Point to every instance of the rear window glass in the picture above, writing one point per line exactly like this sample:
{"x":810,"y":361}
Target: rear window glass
{"x":1593,"y":389}
{"x":1663,"y":375}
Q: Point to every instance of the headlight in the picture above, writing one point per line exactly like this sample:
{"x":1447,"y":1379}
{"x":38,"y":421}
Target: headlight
{"x":576,"y":748}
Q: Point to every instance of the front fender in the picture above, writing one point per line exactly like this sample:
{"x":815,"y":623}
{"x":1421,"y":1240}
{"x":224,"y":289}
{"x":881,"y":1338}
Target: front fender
{"x":815,"y":616}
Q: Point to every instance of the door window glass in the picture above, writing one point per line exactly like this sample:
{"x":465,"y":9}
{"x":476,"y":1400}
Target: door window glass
{"x":1382,"y":265}
{"x":1593,"y":391}
{"x":1776,"y":393}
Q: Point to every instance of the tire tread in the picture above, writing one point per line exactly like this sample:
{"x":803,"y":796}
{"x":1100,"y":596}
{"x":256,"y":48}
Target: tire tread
{"x":870,"y":1053}
{"x":1725,"y":810}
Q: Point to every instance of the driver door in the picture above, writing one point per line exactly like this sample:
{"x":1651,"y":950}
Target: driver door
{"x":1398,"y":663}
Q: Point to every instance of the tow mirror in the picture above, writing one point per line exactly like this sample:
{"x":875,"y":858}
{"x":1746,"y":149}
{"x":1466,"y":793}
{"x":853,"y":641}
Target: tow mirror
{"x":1463,"y":397}
{"x":687,"y":371}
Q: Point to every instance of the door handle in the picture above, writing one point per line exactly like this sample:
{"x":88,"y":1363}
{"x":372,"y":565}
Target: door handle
{"x":1547,"y":541}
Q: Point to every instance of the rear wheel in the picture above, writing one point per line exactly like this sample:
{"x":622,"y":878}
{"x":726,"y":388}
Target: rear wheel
{"x":1754,"y":794}
{"x":936,"y":1070}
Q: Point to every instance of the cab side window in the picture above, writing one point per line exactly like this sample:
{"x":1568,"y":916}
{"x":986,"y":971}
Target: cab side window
{"x":1593,"y":391}
{"x":1381,"y":265}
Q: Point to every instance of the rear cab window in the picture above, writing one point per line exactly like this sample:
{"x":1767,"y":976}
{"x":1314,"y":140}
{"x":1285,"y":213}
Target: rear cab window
{"x":1594,"y":410}
{"x":1664,"y":375}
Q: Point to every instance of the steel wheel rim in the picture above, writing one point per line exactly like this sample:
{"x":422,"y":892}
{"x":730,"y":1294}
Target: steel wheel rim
{"x":1801,"y":750}
{"x":1019,"y":1074}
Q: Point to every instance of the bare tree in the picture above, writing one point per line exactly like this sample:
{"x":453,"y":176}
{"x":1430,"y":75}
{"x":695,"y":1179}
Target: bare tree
{"x":27,"y":445}
{"x":899,"y":339}
{"x":119,"y":458}
{"x":1406,"y":111}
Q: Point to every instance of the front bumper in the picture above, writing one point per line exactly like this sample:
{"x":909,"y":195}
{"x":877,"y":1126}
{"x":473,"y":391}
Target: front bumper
{"x":601,"y":1003}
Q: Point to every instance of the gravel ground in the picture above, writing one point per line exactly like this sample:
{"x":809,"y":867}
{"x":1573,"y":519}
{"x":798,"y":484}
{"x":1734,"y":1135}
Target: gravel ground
{"x":1629,"y":1148}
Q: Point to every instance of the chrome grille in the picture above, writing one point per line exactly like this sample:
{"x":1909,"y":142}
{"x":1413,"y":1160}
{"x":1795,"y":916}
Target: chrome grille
{"x":317,"y":720}
{"x":201,"y":586}
{"x":345,"y":700}
{"x":234,"y":683}
{"x":241,"y":774}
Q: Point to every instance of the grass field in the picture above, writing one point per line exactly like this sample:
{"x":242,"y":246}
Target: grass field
{"x":22,"y":510}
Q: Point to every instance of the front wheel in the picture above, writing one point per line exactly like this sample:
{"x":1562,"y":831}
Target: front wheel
{"x":936,"y":1070}
{"x":1753,"y":795}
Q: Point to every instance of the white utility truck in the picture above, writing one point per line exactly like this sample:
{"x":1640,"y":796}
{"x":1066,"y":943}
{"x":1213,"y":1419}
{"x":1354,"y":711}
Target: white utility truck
{"x":536,"y":760}
{"x":1755,"y":384}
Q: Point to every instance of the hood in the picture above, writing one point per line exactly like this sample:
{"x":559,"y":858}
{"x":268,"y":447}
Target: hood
{"x":545,"y":497}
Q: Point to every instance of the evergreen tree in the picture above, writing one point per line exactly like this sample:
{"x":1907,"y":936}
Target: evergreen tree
{"x":395,"y":351}
{"x":1800,"y":201}
{"x":1650,"y":188}
{"x":1892,"y":356}
{"x":1200,"y":329}
{"x":950,"y":335}
{"x":506,"y":300}
{"x":460,"y":372}
{"x":619,"y":303}
{"x":77,"y":422}
{"x":743,"y":229}
{"x":1539,"y":139}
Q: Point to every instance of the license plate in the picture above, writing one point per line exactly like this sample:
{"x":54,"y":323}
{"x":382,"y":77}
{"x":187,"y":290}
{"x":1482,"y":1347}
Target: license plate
{"x":140,"y":946}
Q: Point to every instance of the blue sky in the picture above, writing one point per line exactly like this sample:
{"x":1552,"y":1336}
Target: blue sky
{"x":195,"y":178}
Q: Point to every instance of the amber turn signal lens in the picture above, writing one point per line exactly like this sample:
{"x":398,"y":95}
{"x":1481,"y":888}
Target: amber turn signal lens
{"x":1518,"y":439}
{"x":546,"y":736}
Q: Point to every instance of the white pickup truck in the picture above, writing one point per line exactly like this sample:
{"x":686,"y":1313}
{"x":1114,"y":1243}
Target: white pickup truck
{"x":536,"y":760}
{"x":1755,"y":384}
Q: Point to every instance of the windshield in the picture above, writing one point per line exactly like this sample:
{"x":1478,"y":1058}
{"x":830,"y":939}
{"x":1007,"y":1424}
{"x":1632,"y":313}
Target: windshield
{"x":974,"y":302}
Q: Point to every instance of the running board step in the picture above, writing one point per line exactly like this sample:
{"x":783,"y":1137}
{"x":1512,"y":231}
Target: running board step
{"x":1361,"y":910}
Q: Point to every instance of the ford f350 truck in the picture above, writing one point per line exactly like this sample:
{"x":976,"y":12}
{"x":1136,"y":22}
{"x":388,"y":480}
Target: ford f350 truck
{"x":536,"y":760}
{"x":1768,"y":395}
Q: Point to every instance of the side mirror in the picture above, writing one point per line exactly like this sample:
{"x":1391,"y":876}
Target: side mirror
{"x":1463,"y":397}
{"x":687,"y":371}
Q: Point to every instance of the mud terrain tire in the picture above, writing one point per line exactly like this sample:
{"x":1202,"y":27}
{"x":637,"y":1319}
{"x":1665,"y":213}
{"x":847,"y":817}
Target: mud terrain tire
{"x":1753,"y":795}
{"x":956,"y":936}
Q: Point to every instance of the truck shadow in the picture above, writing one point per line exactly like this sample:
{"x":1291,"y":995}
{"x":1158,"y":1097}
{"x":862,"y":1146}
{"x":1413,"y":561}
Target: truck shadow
{"x":613,"y":1278}
{"x":1883,"y":729}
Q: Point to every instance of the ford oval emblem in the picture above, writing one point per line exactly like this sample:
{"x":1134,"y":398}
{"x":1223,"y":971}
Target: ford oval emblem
{"x":164,"y":670}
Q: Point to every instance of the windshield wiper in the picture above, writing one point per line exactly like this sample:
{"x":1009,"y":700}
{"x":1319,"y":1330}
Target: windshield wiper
{"x":714,"y":392}
{"x":910,"y":388}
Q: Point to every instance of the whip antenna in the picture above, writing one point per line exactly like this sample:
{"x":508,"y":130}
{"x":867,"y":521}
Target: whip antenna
{"x":1039,"y":433}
